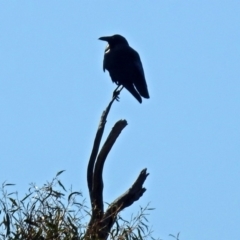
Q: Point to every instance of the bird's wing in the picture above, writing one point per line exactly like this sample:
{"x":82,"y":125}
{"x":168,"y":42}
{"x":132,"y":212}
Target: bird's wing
{"x":137,"y":73}
{"x":125,"y":68}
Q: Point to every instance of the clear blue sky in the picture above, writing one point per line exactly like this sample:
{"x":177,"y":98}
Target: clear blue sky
{"x":53,"y":91}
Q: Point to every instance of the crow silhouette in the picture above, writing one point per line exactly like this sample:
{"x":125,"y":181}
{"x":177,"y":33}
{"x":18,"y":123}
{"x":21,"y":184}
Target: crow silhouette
{"x":124,"y":66}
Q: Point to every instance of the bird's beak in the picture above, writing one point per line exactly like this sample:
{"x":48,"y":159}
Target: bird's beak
{"x":104,"y":38}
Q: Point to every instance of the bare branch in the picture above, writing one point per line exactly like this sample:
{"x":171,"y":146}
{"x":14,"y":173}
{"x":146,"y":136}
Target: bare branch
{"x":97,"y":142}
{"x":97,"y":176}
{"x":101,"y":223}
{"x":125,"y":200}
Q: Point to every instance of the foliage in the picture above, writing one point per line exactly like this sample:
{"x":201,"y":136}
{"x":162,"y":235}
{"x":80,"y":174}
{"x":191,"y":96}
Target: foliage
{"x":50,"y":212}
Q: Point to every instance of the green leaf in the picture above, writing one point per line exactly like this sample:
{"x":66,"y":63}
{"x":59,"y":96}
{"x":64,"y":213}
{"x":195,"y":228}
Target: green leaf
{"x":61,"y":185}
{"x":60,"y":172}
{"x":69,"y":197}
{"x":13,"y":202}
{"x":26,"y":197}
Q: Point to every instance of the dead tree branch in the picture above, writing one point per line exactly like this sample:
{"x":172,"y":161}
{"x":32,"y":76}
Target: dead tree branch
{"x":101,"y":223}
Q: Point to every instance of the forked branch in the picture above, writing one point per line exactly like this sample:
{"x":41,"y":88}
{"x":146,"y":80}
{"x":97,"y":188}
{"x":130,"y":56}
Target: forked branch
{"x":101,"y":223}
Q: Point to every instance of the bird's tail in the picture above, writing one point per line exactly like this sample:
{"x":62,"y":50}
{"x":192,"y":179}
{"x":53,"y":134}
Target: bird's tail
{"x":134,"y":92}
{"x":143,"y":90}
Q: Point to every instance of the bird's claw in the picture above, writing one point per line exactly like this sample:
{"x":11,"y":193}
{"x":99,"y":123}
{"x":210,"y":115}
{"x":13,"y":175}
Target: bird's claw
{"x":116,"y":95}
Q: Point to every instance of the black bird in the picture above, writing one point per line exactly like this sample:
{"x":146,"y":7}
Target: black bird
{"x":124,"y":66}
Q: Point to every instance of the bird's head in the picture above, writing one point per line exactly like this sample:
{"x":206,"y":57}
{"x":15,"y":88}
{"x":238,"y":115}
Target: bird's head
{"x":115,"y":40}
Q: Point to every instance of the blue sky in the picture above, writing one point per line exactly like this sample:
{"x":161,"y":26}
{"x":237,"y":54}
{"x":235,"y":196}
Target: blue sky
{"x":53,"y":91}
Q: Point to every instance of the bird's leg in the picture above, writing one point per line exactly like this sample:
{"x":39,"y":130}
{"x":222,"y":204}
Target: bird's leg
{"x":116,"y":92}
